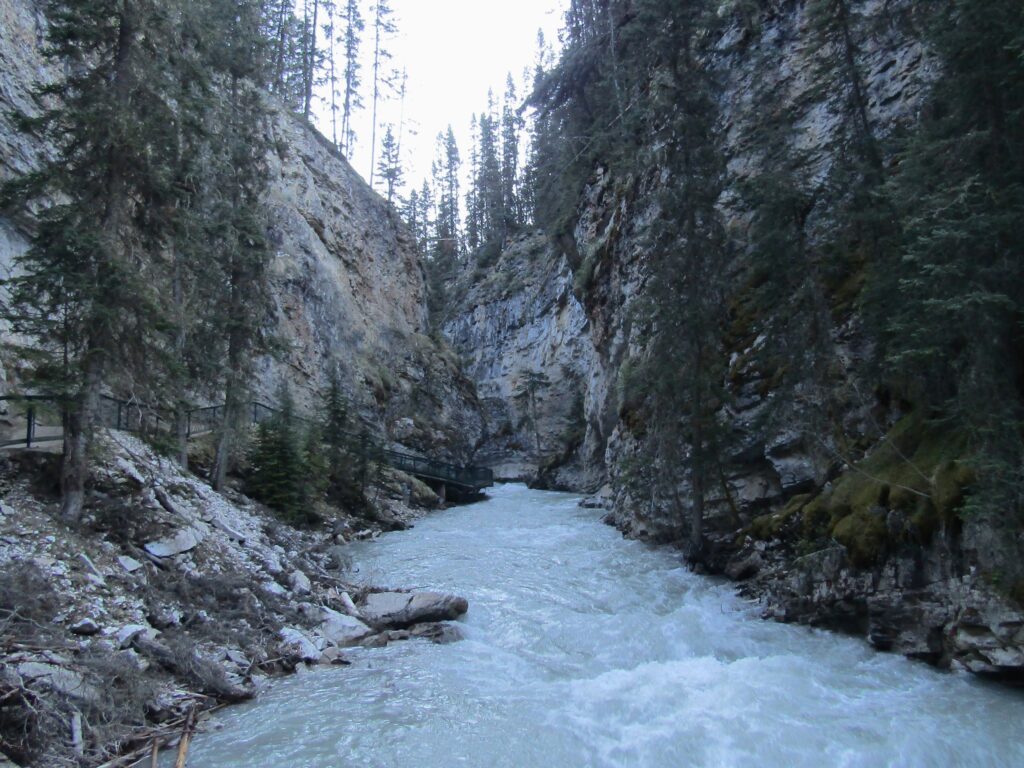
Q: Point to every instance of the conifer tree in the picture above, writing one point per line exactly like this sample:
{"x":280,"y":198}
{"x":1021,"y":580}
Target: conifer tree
{"x":279,"y":473}
{"x":390,"y":167}
{"x":241,"y":307}
{"x":472,"y":193}
{"x":954,"y":294}
{"x":489,"y":184}
{"x":311,"y":55}
{"x":86,"y":291}
{"x":511,"y":126}
{"x":354,"y":26}
{"x":446,"y":169}
{"x":384,"y":28}
{"x":332,"y":72}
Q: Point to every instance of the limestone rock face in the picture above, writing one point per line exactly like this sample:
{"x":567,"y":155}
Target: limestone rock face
{"x":930,"y":601}
{"x":347,"y":284}
{"x":349,"y":292}
{"x":520,"y":319}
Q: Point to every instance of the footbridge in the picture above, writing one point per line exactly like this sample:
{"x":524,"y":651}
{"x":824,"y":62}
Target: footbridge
{"x":36,"y":421}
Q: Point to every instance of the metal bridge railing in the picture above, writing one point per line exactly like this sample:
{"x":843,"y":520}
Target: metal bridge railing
{"x":35,"y":419}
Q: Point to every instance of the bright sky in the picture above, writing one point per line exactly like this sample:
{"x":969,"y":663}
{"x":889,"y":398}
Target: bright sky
{"x":453,"y":50}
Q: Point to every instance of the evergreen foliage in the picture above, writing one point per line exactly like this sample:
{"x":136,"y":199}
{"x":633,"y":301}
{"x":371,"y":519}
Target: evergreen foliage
{"x":390,"y":166}
{"x":354,"y":27}
{"x":280,"y":472}
{"x":158,"y":132}
{"x":954,"y":293}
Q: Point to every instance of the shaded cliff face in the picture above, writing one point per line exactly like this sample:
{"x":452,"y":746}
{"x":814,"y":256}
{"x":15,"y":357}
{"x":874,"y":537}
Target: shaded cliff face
{"x":912,"y":577}
{"x":524,"y":340}
{"x":347,"y":284}
{"x":349,"y":292}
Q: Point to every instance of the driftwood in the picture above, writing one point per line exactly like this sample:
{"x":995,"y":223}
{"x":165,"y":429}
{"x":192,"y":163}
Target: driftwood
{"x":152,"y":739}
{"x":186,"y":739}
{"x":208,"y":677}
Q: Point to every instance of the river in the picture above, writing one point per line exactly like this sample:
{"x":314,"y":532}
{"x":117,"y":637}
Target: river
{"x":583,"y":649}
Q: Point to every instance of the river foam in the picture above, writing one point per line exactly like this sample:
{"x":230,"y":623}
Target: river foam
{"x":583,"y":649}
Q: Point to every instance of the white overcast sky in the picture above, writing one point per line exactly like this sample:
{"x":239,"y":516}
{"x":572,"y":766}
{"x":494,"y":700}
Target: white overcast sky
{"x":453,"y":50}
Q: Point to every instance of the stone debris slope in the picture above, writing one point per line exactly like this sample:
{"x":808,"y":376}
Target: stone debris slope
{"x":168,"y":597}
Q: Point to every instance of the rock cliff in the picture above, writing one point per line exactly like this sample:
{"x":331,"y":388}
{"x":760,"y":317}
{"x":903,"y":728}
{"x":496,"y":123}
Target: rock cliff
{"x":348,"y":287}
{"x":827,"y":527}
{"x":523,"y":337}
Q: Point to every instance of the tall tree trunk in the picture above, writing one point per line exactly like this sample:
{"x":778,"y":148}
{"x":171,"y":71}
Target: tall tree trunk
{"x":307,"y":105}
{"x":857,"y":86}
{"x":226,"y":438}
{"x":377,"y":42}
{"x":180,"y":341}
{"x":79,"y":422}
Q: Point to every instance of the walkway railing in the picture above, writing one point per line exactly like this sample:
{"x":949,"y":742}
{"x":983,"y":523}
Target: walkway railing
{"x":33,"y":420}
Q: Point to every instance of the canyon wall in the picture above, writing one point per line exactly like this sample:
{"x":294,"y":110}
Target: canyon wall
{"x":347,"y":285}
{"x":852,"y":527}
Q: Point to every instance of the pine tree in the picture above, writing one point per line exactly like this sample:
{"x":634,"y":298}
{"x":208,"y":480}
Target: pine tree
{"x":511,"y":126}
{"x":241,"y":306}
{"x":489,"y":184}
{"x":683,"y":368}
{"x":954,"y":295}
{"x":472,"y":195}
{"x":87,"y":290}
{"x":311,"y":55}
{"x":278,"y":474}
{"x":354,"y":27}
{"x":412,"y":215}
{"x":383,"y":28}
{"x":428,"y":218}
{"x":528,"y":389}
{"x":332,"y":70}
{"x":446,"y":179}
{"x":346,"y":470}
{"x":390,"y":166}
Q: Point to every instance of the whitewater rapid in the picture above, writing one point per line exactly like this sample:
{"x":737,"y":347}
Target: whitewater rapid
{"x":583,"y":649}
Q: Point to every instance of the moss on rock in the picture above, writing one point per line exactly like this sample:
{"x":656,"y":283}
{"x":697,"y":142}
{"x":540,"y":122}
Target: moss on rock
{"x":864,"y":535}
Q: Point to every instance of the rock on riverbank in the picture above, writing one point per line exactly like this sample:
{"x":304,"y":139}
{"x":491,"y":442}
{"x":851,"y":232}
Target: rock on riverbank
{"x":166,"y":598}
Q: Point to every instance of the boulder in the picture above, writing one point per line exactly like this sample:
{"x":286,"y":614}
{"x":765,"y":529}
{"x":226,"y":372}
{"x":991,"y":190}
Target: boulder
{"x":58,"y":678}
{"x":342,"y":630}
{"x":129,"y":632}
{"x":296,"y":643}
{"x":300,"y":583}
{"x":398,"y":610}
{"x":130,"y":564}
{"x":183,"y":541}
{"x":742,"y":568}
{"x":441,"y":633}
{"x":86,"y":628}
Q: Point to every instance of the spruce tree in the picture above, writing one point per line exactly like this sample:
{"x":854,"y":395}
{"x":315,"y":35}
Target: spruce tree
{"x":954,"y":296}
{"x":511,"y":127}
{"x":240,"y":309}
{"x":86,"y":292}
{"x":390,"y":167}
{"x":354,"y":26}
{"x":278,"y":463}
{"x":384,"y":28}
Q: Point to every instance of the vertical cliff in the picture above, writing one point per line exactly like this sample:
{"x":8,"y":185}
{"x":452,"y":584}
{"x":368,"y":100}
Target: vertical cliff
{"x":836,"y":503}
{"x":347,"y":284}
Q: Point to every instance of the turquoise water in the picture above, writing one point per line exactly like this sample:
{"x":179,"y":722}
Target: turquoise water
{"x":583,"y":649}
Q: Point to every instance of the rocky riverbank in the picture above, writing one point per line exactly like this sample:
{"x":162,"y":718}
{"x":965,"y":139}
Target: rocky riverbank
{"x":169,"y":598}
